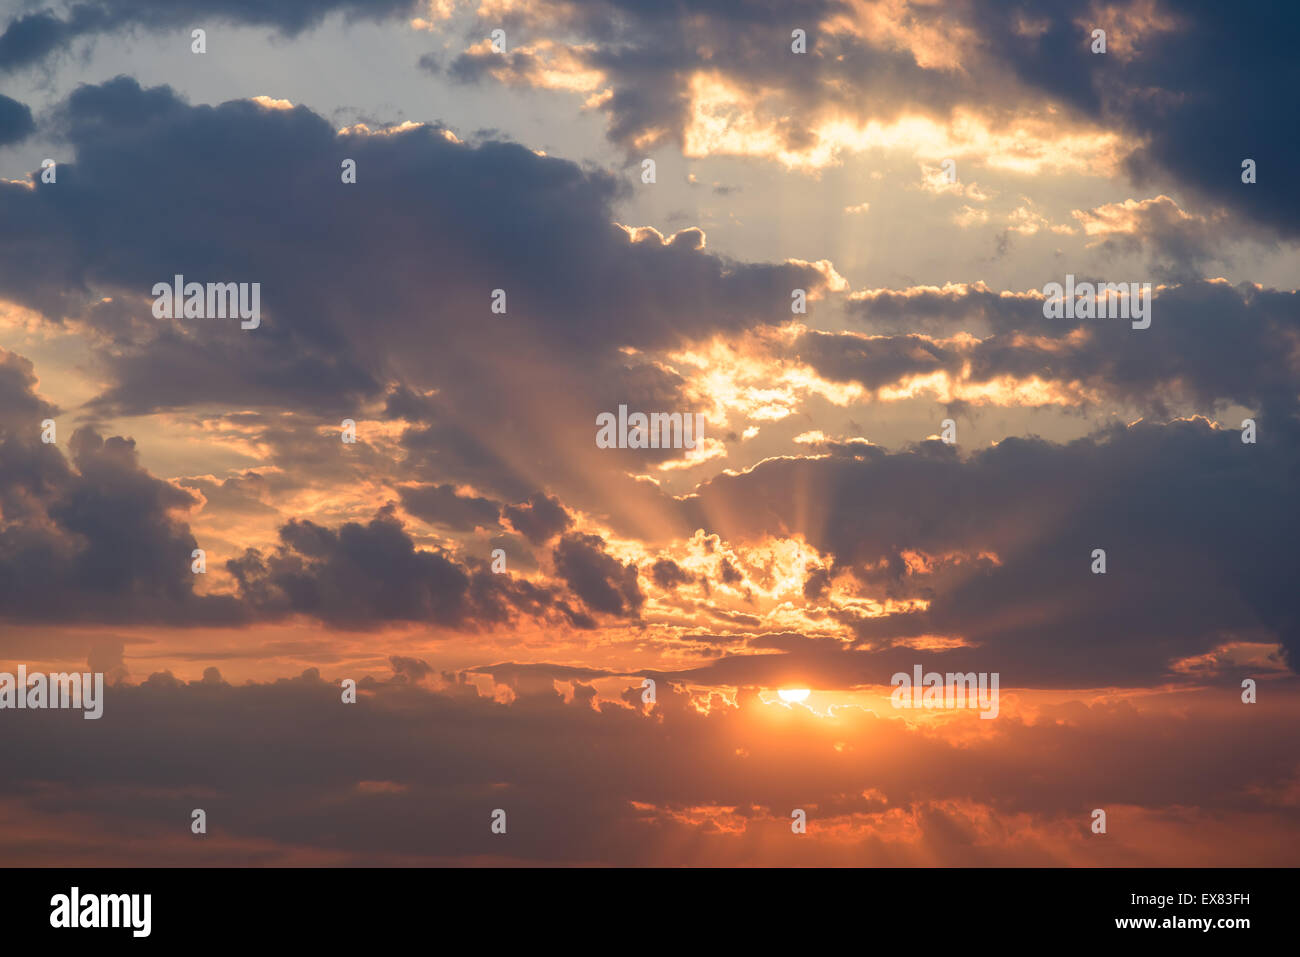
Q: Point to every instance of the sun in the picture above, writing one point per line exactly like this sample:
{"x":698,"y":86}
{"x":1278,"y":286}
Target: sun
{"x":793,"y":694}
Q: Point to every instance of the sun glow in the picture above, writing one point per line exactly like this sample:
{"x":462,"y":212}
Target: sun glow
{"x":793,"y":695}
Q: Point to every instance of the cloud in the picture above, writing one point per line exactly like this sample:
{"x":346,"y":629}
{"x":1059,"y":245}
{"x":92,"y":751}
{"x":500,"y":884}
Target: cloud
{"x":600,"y":580}
{"x":492,"y":401}
{"x":1195,"y":524}
{"x":1179,"y":242}
{"x":444,"y":224}
{"x":667,"y":574}
{"x":441,"y":505}
{"x":411,"y":773}
{"x":16,"y":121}
{"x":29,"y":39}
{"x":793,"y":552}
{"x":95,"y":539}
{"x":411,"y":669}
{"x":539,"y":519}
{"x":364,"y":575}
{"x":1210,"y":343}
{"x":941,"y":82}
{"x":99,"y":539}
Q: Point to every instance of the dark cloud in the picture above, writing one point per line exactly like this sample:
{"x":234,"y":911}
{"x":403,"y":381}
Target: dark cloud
{"x":20,"y":407}
{"x":376,"y":305}
{"x":95,"y":539}
{"x":667,"y":574}
{"x":15,"y":121}
{"x":410,"y":669}
{"x":98,"y":538}
{"x":539,"y":519}
{"x":932,"y":307}
{"x":551,"y":244}
{"x":874,"y":361}
{"x":442,"y":505}
{"x":510,"y":673}
{"x":600,"y":580}
{"x":729,"y":573}
{"x":1197,"y":528}
{"x":1231,"y":72}
{"x":1178,"y":244}
{"x":411,"y":773}
{"x":362,"y":575}
{"x":1209,"y":343}
{"x":498,"y":400}
{"x":30,"y":38}
{"x":1172,"y":73}
{"x":246,"y":493}
{"x":649,"y":55}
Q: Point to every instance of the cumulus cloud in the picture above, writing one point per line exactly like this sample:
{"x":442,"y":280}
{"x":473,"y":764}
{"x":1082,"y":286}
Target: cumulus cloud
{"x":938,"y":81}
{"x":15,"y":121}
{"x":444,"y":224}
{"x":539,"y":519}
{"x":599,"y":579}
{"x":1195,"y":525}
{"x":818,"y":540}
{"x":1210,"y":343}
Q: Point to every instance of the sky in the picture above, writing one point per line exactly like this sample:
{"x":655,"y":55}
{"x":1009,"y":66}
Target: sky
{"x":368,"y":587}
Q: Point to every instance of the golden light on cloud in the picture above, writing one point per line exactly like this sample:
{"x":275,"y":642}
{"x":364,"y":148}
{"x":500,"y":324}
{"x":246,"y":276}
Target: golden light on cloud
{"x":725,"y":119}
{"x":744,"y":378}
{"x":890,"y":25}
{"x":691,"y":637}
{"x":834,"y":282}
{"x":814,"y":437}
{"x":18,"y":318}
{"x":935,"y":179}
{"x":705,"y":450}
{"x":969,"y":216}
{"x":1131,"y":25}
{"x":949,"y":290}
{"x":1001,"y":391}
{"x":545,"y":64}
{"x":1026,"y":221}
{"x":439,"y":11}
{"x":1135,"y":217}
{"x":361,"y":129}
{"x":271,"y":103}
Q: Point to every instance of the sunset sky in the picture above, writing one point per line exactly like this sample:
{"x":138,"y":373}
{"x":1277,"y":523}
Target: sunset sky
{"x":922,"y":172}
